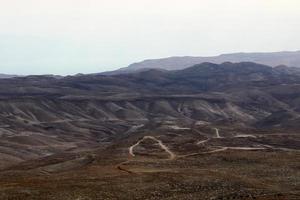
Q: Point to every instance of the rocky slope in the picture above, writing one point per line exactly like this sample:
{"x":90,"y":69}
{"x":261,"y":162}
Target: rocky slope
{"x":243,"y":92}
{"x":42,"y":115}
{"x":228,"y":131}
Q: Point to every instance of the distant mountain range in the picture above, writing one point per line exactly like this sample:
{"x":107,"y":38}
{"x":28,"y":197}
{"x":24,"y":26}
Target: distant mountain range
{"x":204,"y":91}
{"x":273,"y":59}
{"x":7,"y":76}
{"x":288,"y":58}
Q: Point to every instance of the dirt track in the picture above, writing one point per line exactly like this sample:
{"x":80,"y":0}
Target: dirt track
{"x":164,"y":147}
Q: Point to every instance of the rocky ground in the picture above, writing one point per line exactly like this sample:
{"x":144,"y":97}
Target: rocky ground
{"x":228,"y":131}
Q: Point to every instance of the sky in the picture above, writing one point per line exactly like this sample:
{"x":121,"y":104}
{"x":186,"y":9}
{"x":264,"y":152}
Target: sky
{"x":89,"y":36}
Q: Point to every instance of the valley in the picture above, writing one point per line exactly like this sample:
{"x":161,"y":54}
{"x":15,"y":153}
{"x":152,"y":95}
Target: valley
{"x":227,"y":131}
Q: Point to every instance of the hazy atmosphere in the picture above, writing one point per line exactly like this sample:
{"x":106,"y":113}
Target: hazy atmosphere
{"x":87,"y":36}
{"x":149,"y":100}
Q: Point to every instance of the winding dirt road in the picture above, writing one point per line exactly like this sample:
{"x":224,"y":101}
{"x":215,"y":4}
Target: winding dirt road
{"x":245,"y":136}
{"x":202,"y":141}
{"x":164,"y":147}
{"x":217,"y":150}
{"x":224,"y":149}
{"x":217,"y":133}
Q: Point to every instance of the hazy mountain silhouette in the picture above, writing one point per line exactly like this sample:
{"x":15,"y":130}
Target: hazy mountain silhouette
{"x":288,"y":58}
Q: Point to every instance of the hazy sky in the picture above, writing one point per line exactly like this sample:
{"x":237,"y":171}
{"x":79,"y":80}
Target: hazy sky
{"x":72,"y":36}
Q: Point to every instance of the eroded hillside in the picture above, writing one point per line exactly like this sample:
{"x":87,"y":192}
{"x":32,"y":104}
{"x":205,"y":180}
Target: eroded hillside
{"x":152,"y":125}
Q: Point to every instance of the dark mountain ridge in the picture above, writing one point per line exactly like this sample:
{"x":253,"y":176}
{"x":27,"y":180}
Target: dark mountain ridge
{"x":235,"y":84}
